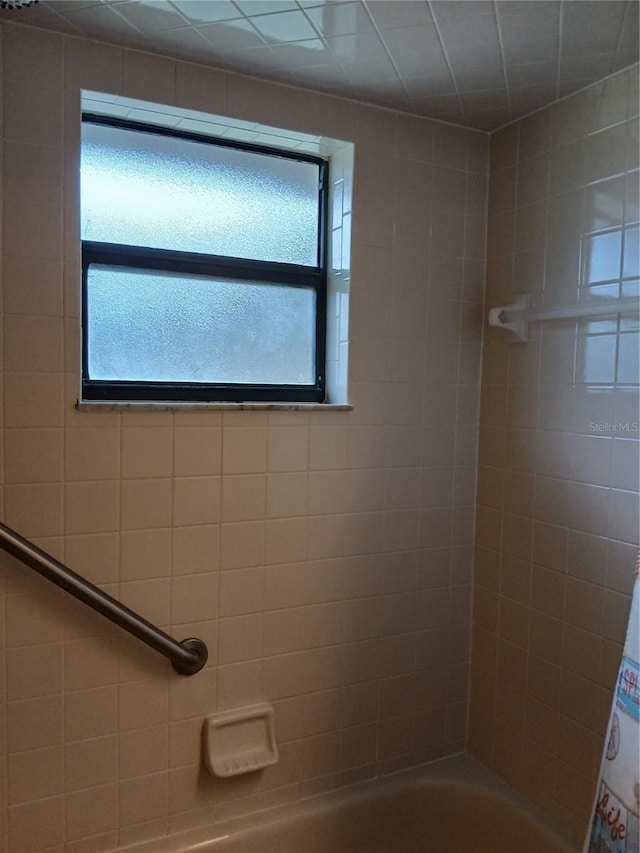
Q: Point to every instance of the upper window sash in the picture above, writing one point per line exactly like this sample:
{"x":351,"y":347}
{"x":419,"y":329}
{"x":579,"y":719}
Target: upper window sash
{"x":170,"y":189}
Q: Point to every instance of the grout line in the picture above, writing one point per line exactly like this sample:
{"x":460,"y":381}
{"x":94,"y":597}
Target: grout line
{"x":626,"y":15}
{"x":446,"y":57}
{"x":530,"y":561}
{"x":117,"y":781}
{"x":455,"y":465}
{"x":64,"y":610}
{"x":503,"y":468}
{"x":388,"y":53}
{"x":563,"y":98}
{"x":559,"y":56}
{"x":167,"y":769}
{"x":4,"y":780}
{"x":504,"y":63}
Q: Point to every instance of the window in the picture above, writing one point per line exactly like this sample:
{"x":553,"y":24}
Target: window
{"x":204,"y":267}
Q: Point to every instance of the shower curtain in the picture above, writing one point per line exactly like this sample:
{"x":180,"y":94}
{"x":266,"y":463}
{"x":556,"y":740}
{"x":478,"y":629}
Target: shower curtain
{"x":614,"y":824}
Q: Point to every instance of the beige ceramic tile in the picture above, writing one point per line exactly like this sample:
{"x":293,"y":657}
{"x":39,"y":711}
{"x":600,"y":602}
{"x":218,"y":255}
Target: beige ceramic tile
{"x":90,"y":663}
{"x":243,"y":450}
{"x":91,"y":713}
{"x":36,"y":825}
{"x":35,"y":774}
{"x":91,"y":812}
{"x":150,"y":78}
{"x":286,"y":540}
{"x":146,"y":452}
{"x":33,"y":455}
{"x":32,"y":114}
{"x":33,"y":344}
{"x":35,"y":723}
{"x":195,"y":549}
{"x":146,"y":503}
{"x":196,"y":450}
{"x":243,"y":497}
{"x":33,"y":619}
{"x":184,"y":742}
{"x":287,"y":495}
{"x":242,"y":545}
{"x":142,"y":704}
{"x":143,"y":751}
{"x":142,"y":799}
{"x":34,"y":672}
{"x":48,"y":49}
{"x":32,"y":286}
{"x":239,"y":684}
{"x":288,"y":449}
{"x":34,"y":510}
{"x":145,"y":554}
{"x":194,"y":597}
{"x":196,"y":500}
{"x":241,"y":591}
{"x":200,"y":88}
{"x":92,"y":454}
{"x":328,"y":447}
{"x":91,"y":507}
{"x":91,"y":762}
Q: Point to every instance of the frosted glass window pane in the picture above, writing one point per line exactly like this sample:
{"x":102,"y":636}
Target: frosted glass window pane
{"x":629,"y":358}
{"x":156,"y":191}
{"x":596,"y":359}
{"x":602,"y":257}
{"x":162,"y":327}
{"x":631,"y":252}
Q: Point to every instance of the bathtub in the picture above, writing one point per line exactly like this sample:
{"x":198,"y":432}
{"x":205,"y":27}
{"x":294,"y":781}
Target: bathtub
{"x":454,"y":805}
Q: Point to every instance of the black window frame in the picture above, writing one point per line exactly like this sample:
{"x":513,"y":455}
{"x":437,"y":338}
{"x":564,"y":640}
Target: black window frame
{"x":193,"y":263}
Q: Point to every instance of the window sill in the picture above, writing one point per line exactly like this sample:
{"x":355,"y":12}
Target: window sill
{"x":111,"y":406}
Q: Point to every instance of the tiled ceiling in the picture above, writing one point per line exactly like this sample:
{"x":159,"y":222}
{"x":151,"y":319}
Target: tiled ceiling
{"x":480,"y":64}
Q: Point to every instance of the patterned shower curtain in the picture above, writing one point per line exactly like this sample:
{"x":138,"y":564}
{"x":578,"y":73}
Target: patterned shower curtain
{"x":614,"y":825}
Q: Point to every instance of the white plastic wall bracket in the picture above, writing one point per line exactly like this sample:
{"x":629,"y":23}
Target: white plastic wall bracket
{"x":512,"y":317}
{"x":240,"y":741}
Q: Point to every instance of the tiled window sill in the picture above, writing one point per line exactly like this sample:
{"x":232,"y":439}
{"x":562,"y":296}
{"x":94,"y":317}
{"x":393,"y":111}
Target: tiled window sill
{"x":109,"y":406}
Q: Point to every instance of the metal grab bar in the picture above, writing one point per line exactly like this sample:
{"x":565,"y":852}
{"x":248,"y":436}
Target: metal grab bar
{"x":187,"y":657}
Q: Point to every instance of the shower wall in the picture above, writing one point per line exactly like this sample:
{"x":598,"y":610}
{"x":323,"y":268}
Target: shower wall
{"x":325,"y":557}
{"x":557,"y":515}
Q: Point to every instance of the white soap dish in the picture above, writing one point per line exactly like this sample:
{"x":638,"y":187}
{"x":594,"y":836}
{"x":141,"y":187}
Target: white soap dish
{"x":240,"y":741}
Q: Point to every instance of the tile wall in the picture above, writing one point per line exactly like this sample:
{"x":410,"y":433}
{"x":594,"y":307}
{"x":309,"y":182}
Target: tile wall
{"x":557,"y":515}
{"x":325,"y":557}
